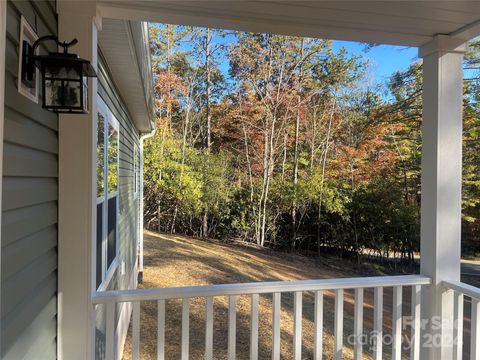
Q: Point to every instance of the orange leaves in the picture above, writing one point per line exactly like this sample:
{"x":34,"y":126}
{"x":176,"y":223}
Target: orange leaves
{"x":169,"y":87}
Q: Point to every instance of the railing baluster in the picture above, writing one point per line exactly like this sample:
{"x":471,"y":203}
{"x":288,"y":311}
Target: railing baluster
{"x":110,"y":331}
{"x":338,"y":331}
{"x":378,"y":323}
{"x":185,"y":327}
{"x":232,"y":326}
{"x":458,"y":328}
{"x":475,"y":330}
{"x":318,"y":325}
{"x":397,"y":323}
{"x":160,"y":329}
{"x":276,"y":326}
{"x":254,"y":328}
{"x":358,"y":323}
{"x":297,"y":326}
{"x":416,"y":300}
{"x":209,"y":329}
{"x":136,"y":331}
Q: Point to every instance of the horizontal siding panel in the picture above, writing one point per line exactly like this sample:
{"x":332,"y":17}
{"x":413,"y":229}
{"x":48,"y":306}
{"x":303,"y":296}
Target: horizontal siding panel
{"x":23,"y":222}
{"x":25,"y":191}
{"x":30,"y":193}
{"x":21,"y":161}
{"x":24,"y":251}
{"x":20,"y":130}
{"x":22,"y":105}
{"x":11,"y":58}
{"x":45,"y":343}
{"x":33,"y":17}
{"x":44,"y":11}
{"x":19,"y":286}
{"x":33,"y":319}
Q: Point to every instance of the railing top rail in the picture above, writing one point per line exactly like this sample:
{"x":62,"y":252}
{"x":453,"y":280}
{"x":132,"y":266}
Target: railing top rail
{"x":257,"y":288}
{"x":463,"y":288}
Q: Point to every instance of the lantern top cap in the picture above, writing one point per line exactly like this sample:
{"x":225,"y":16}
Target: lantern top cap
{"x":62,"y":58}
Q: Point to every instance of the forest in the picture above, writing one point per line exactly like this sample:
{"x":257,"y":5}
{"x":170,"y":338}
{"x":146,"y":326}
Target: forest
{"x":284,"y":142}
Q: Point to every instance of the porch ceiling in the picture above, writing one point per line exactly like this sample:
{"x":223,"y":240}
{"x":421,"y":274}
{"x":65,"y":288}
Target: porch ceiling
{"x":409,"y":23}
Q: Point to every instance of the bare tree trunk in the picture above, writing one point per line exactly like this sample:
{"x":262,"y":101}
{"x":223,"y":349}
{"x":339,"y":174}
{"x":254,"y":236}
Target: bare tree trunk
{"x":208,"y":72}
{"x":322,"y":180}
{"x":209,"y":115}
{"x":295,"y":159}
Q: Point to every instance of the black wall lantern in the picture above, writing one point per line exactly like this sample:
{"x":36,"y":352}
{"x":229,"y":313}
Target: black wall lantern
{"x":64,"y":76}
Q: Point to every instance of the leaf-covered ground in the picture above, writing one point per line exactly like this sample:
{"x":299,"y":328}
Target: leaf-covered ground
{"x":174,"y":260}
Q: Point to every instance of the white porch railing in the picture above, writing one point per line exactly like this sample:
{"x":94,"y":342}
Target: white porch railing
{"x":277,"y":288}
{"x":462,"y":290}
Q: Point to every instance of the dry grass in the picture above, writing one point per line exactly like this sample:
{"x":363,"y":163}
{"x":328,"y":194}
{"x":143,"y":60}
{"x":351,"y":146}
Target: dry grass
{"x":172,"y":260}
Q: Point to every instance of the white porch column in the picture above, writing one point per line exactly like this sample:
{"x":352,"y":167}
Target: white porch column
{"x":77,"y":196}
{"x":441,"y":183}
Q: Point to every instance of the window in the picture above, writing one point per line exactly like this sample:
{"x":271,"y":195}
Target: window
{"x":136,"y":173}
{"x":107,"y":193}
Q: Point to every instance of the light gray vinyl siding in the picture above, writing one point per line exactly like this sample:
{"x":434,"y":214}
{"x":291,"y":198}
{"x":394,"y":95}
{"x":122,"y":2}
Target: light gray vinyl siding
{"x":128,"y":204}
{"x":29,"y":209}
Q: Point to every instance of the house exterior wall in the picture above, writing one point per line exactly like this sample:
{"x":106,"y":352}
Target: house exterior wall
{"x":30,"y":194}
{"x":128,"y":210}
{"x":29,"y":210}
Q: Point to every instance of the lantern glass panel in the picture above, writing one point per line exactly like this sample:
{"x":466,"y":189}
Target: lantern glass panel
{"x":62,"y":72}
{"x":85,"y":94}
{"x":73,"y":94}
{"x":53,"y":93}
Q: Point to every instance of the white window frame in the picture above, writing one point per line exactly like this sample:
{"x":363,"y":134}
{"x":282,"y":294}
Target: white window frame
{"x":109,"y":119}
{"x":28,"y":34}
{"x":136,"y":172}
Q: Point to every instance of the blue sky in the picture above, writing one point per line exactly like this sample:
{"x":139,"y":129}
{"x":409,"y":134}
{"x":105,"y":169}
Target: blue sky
{"x":384,"y":59}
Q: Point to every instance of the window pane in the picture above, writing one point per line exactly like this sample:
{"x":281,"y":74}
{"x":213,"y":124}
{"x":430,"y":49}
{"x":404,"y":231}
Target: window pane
{"x":99,"y":243}
{"x":112,"y":159}
{"x":112,"y":230}
{"x":100,"y":155}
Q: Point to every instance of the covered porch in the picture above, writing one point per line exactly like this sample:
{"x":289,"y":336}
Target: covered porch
{"x":440,"y":31}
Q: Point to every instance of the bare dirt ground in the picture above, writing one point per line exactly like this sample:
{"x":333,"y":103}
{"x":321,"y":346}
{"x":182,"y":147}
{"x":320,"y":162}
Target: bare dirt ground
{"x":174,"y":260}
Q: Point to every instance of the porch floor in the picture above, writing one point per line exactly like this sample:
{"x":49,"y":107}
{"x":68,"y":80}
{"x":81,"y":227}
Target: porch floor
{"x":174,"y":260}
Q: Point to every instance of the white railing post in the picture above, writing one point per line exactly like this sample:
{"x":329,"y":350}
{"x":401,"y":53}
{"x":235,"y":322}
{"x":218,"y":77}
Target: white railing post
{"x":318,"y":340}
{"x":136,"y":331}
{"x":232,"y":327}
{"x":358,"y":324}
{"x":297,"y":326}
{"x":161,"y":330}
{"x":209,"y":329}
{"x":185,"y":328}
{"x":254,"y":327}
{"x":458,"y":333}
{"x":441,"y":185}
{"x":378,"y":323}
{"x":276,"y":326}
{"x":415,"y":330}
{"x":338,"y":326}
{"x":397,"y":323}
{"x":475,"y":330}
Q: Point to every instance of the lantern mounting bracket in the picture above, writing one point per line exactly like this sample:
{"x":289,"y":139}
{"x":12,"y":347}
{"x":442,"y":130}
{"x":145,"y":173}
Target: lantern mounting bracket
{"x":65,"y":45}
{"x":28,"y":61}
